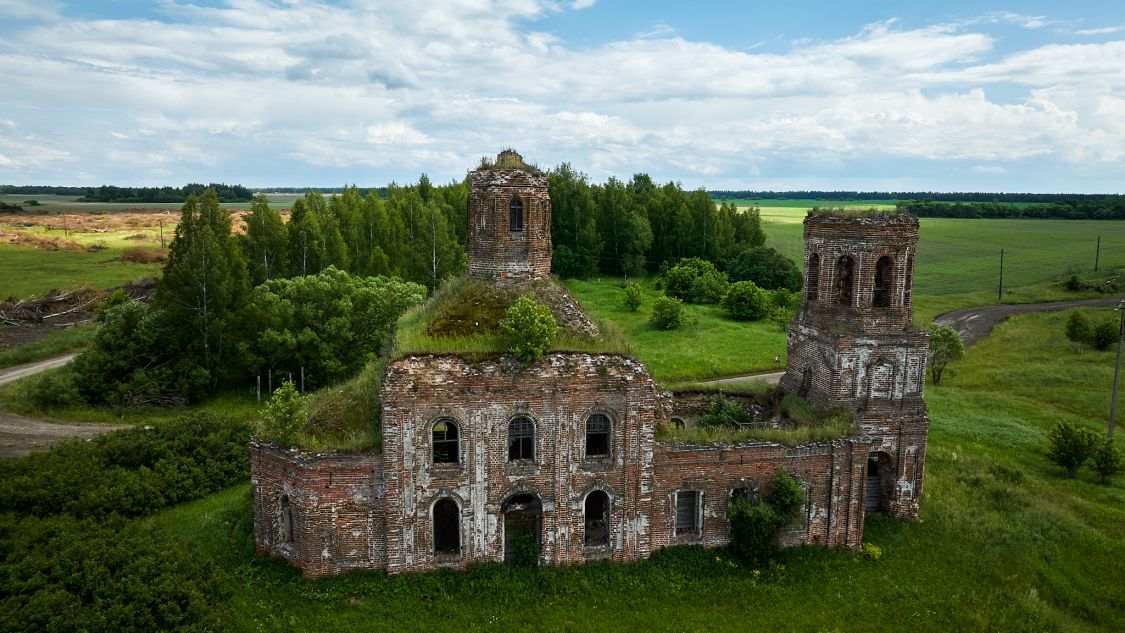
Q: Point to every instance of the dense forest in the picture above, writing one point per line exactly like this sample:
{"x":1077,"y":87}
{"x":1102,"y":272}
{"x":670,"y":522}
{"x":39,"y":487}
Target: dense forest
{"x":109,"y":193}
{"x":1084,"y":208}
{"x":932,"y":196}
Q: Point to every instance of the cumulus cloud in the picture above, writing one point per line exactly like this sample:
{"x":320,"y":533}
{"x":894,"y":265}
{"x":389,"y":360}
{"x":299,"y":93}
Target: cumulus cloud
{"x":385,"y":90}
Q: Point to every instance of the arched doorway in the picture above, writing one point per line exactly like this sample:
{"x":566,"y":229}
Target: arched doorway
{"x":523,"y":523}
{"x":880,"y":479}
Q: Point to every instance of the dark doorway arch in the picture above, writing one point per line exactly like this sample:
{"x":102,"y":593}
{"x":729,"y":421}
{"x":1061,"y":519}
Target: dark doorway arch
{"x":523,"y":522}
{"x":515,"y":209}
{"x":447,"y":528}
{"x":880,"y":482}
{"x":845,"y":279}
{"x":884,"y":282}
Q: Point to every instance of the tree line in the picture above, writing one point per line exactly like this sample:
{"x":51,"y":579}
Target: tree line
{"x":110,"y":193}
{"x":1084,"y":208}
{"x":931,"y":196}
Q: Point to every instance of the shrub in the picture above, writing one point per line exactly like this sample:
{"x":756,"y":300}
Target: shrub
{"x":766,"y":267}
{"x":1071,"y":446}
{"x":49,"y":390}
{"x":284,"y":415}
{"x":945,"y":347}
{"x":1078,"y":329}
{"x":530,"y":328}
{"x":1072,"y":283}
{"x":141,"y":255}
{"x":695,"y":280}
{"x":746,"y":302}
{"x":1104,"y":333}
{"x":67,"y":574}
{"x":667,"y":313}
{"x":131,"y":472}
{"x":871,"y":551}
{"x":724,"y":412}
{"x":633,"y":296}
{"x":1107,"y":460}
{"x":755,"y":526}
{"x":785,"y":298}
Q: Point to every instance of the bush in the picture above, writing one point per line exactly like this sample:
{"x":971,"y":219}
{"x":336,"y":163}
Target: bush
{"x":131,"y":472}
{"x":284,"y":415}
{"x":747,"y":302}
{"x":49,"y":390}
{"x":667,"y":313}
{"x":1107,"y":460}
{"x":142,"y":255}
{"x":722,"y":412}
{"x":695,"y":280}
{"x":67,"y":574}
{"x":871,"y":551}
{"x":766,"y":267}
{"x":1104,"y":333}
{"x":633,"y":296}
{"x":530,"y":328}
{"x":1078,"y":329}
{"x":1071,"y":446}
{"x":945,"y":347}
{"x":755,"y":526}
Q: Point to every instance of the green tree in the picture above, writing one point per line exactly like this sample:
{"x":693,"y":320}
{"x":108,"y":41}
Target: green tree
{"x":530,"y":328}
{"x":667,"y":313}
{"x":766,"y":267}
{"x":204,"y":284}
{"x":574,"y":229}
{"x":1070,"y":446}
{"x":746,"y":302}
{"x":633,"y":296}
{"x":1107,"y":460}
{"x":696,"y":280}
{"x":1078,"y":329}
{"x":945,"y":347}
{"x":627,"y":233}
{"x":284,"y":417}
{"x":1104,"y":333}
{"x":748,"y":231}
{"x":264,"y":244}
{"x":306,"y":244}
{"x":755,"y":525}
{"x":381,"y":234}
{"x":437,"y":250}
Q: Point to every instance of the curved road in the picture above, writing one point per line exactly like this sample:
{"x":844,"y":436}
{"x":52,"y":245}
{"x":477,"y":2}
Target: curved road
{"x":973,"y":324}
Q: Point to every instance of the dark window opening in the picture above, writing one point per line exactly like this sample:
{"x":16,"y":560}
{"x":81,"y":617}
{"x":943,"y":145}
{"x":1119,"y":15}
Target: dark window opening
{"x":806,"y":383}
{"x":687,"y":512}
{"x":597,"y":436}
{"x":516,"y":210}
{"x":907,"y":281}
{"x":678,"y":423}
{"x":286,"y":520}
{"x":597,"y":518}
{"x":845,"y":280}
{"x":446,"y":442}
{"x":812,"y":278}
{"x":521,"y":439}
{"x":883,"y":282}
{"x":447,"y":528}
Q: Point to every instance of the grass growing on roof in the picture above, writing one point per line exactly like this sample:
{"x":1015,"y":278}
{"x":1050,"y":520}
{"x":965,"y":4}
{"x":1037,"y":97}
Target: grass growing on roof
{"x":346,"y":417}
{"x":462,"y":318}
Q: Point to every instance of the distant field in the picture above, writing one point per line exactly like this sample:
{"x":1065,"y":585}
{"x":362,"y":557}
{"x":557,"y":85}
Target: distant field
{"x":70,"y":204}
{"x":959,"y":260}
{"x":808,"y":203}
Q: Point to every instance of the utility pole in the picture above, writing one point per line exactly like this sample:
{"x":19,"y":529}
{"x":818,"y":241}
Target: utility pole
{"x":161,"y":234}
{"x":1000,"y":292}
{"x":1098,"y":254}
{"x":1116,"y":371}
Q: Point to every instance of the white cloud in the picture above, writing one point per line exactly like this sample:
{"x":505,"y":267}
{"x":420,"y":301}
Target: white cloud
{"x":29,"y":9}
{"x":1102,"y":31}
{"x":390,"y":89}
{"x":989,"y":169}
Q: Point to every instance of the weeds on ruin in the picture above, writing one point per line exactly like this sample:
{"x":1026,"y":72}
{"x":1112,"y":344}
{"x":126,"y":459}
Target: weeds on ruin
{"x":756,"y":524}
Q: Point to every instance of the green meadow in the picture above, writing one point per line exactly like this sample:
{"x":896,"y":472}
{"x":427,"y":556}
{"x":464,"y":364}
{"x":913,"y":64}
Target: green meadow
{"x":52,"y":203}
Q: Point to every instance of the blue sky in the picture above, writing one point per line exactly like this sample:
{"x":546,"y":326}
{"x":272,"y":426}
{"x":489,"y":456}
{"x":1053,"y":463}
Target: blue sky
{"x":1024,"y":96}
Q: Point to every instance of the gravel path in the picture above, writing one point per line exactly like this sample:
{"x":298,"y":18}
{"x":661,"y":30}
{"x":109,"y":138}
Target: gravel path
{"x":21,"y":435}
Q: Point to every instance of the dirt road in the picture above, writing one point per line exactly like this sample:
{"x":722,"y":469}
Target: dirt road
{"x":973,"y":324}
{"x":20,"y":435}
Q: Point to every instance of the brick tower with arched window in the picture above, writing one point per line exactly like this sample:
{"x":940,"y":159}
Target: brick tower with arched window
{"x":854,"y":344}
{"x":509,"y":230}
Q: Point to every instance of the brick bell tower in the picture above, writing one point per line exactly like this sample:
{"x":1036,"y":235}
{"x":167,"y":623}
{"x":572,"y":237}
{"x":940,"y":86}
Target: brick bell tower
{"x":854,"y":345}
{"x":509,"y":236}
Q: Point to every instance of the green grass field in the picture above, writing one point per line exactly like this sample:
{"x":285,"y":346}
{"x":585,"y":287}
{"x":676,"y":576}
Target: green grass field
{"x":30,"y":271}
{"x":54,"y":344}
{"x":1004,"y":542}
{"x":49,"y":203}
{"x":808,"y":203}
{"x":710,"y":346}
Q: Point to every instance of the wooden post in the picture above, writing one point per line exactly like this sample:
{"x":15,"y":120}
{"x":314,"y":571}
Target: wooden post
{"x":1098,"y":254}
{"x":259,"y":388}
{"x":1000,"y":292}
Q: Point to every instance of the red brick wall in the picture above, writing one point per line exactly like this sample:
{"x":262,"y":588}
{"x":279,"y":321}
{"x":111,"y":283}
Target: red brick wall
{"x":495,"y":251}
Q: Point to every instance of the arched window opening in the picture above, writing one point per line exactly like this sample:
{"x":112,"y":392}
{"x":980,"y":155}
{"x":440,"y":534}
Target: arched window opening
{"x":812,"y":277}
{"x":597,"y":435}
{"x":884,"y":281}
{"x":286,"y":520}
{"x":806,"y":383}
{"x":597,"y":519}
{"x":515,"y":209}
{"x":845,"y":279}
{"x":521,"y":439}
{"x":678,"y":423}
{"x":447,"y":528}
{"x":446,"y":442}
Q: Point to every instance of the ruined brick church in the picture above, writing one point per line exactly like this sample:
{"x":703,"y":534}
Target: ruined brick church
{"x":477,"y":455}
